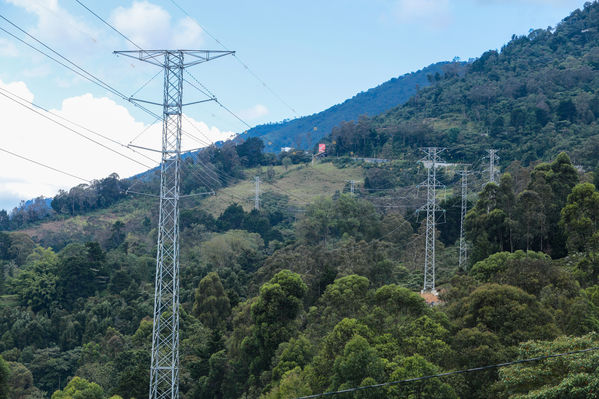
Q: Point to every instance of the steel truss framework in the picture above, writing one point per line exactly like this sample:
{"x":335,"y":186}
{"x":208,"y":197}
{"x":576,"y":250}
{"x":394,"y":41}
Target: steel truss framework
{"x":430,"y":162}
{"x":164,"y":369}
{"x":463,"y":259}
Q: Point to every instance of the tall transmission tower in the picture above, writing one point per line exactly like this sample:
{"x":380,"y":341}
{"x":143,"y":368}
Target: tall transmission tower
{"x":463,"y":259}
{"x":257,"y":193}
{"x":431,"y":161}
{"x":164,"y":369}
{"x":493,"y":158}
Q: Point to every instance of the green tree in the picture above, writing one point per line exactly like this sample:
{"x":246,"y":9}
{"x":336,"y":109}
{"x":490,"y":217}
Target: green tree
{"x":230,"y":249}
{"x":36,"y":284}
{"x":417,"y":366}
{"x":510,"y":313}
{"x":426,"y":337}
{"x":346,"y":297}
{"x":554,"y":182}
{"x":531,"y":219}
{"x":574,"y":376}
{"x":580,"y":218}
{"x":79,"y":388}
{"x":358,"y":362}
{"x":4,"y":378}
{"x":293,"y":384}
{"x":487,"y":225}
{"x":530,"y":271}
{"x":286,"y":161}
{"x":211,"y":305}
{"x":295,"y":353}
{"x":326,"y":219}
{"x":273,"y":314}
{"x":79,"y":268}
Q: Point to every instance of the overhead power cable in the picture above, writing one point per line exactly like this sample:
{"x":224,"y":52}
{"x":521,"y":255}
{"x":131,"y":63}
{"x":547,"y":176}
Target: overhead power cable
{"x":44,"y":165}
{"x":75,"y":68}
{"x":74,"y":131}
{"x":449,"y":373}
{"x":216,"y":100}
{"x":210,"y":95}
{"x":204,"y":90}
{"x":243,"y":64}
{"x":73,"y":123}
{"x":109,"y":25}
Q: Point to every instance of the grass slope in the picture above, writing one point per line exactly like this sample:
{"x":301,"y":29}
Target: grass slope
{"x":300,"y":183}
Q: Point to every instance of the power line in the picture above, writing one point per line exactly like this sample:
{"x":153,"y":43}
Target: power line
{"x":109,"y":25}
{"x":212,"y":96}
{"x":449,"y":373}
{"x":144,"y":130}
{"x":245,"y":66}
{"x":145,"y":84}
{"x":216,"y":100}
{"x":79,"y":70}
{"x":73,"y":123}
{"x":44,"y":165}
{"x":303,"y":200}
{"x":74,"y":131}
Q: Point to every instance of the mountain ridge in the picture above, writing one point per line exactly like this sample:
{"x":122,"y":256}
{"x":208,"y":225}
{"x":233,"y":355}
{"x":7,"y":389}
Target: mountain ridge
{"x":304,"y":132}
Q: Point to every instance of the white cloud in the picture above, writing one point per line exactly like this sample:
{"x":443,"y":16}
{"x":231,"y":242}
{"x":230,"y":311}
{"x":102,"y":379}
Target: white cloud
{"x":35,"y":137}
{"x":188,"y":34}
{"x":208,"y":134}
{"x":255,"y":112}
{"x":56,"y":25}
{"x":149,"y":26}
{"x":432,"y":13}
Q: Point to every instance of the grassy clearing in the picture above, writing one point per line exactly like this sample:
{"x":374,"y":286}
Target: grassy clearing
{"x":301,"y":183}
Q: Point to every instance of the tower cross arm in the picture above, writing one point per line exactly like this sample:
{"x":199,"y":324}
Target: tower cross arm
{"x":156,"y":57}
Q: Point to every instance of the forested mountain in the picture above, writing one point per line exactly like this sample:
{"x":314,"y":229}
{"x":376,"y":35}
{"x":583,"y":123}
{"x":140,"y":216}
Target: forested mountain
{"x":305,"y":131}
{"x":537,"y":97}
{"x":319,"y":289}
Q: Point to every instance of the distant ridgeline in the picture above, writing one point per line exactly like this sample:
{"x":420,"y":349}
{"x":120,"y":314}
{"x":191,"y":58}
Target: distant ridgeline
{"x":305,"y":132}
{"x":537,"y":97}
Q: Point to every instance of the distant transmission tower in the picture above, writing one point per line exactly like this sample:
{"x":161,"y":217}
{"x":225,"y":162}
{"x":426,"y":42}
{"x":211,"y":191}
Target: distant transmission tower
{"x":493,"y":158}
{"x":257,"y":194}
{"x":164,"y":370}
{"x":430,"y":162}
{"x":463,"y":259}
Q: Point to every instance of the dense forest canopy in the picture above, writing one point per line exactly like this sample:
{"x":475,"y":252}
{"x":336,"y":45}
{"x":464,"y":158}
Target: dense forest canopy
{"x":281,"y":302}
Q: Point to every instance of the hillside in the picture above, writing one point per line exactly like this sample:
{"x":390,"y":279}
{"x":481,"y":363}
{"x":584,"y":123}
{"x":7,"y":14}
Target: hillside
{"x":320,"y":289}
{"x":536,"y":97}
{"x":290,"y":190}
{"x":306,"y":131}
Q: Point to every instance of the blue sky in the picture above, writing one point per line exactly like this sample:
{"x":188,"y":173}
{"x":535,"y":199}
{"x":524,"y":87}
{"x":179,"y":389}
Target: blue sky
{"x":313,"y":54}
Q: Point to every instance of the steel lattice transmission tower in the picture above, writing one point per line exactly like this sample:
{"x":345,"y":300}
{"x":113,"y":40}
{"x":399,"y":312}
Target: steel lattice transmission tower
{"x":431,"y":161}
{"x":493,"y":157}
{"x":257,"y":193}
{"x":164,"y":370}
{"x":463,"y":259}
